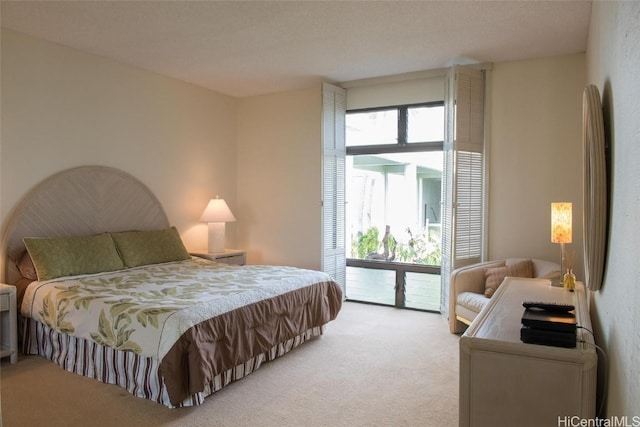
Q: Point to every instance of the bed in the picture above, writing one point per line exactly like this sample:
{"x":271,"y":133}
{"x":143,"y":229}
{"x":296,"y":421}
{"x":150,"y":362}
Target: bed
{"x":107,"y":290}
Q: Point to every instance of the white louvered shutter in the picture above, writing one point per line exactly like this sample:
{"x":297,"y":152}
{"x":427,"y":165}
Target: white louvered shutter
{"x":333,"y":183}
{"x":463,"y":176}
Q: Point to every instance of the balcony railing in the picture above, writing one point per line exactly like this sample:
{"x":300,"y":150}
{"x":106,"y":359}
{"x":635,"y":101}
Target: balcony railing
{"x":395,"y":284}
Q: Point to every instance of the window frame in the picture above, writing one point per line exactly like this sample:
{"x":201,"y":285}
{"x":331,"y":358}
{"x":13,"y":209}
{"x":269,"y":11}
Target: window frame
{"x":402,"y":146}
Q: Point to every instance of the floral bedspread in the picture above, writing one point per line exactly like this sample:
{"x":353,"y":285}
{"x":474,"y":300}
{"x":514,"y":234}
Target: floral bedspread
{"x":146,"y":309}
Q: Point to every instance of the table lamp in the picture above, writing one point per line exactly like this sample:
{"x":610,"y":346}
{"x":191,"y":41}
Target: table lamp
{"x":561,"y":229}
{"x":216,"y":214}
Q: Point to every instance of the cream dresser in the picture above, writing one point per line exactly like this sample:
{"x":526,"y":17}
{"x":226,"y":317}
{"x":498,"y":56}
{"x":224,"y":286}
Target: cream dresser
{"x":505,"y":382}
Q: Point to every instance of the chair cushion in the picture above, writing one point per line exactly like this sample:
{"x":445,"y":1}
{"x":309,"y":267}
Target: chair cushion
{"x":495,"y":276}
{"x":472,"y":301}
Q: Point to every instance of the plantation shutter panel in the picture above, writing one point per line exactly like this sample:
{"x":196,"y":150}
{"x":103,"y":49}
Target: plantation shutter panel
{"x":463,"y":175}
{"x":333,"y":183}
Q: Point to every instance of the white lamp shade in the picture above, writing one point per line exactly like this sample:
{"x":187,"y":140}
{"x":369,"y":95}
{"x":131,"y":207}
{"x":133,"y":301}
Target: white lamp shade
{"x":217,"y":211}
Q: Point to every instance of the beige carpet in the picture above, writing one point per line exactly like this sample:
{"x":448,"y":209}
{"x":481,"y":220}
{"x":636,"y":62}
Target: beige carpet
{"x":374,"y":366}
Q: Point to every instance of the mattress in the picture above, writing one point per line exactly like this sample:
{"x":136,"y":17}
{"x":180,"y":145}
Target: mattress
{"x":191,"y":323}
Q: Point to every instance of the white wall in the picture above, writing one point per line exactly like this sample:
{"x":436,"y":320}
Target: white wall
{"x":613,"y":61}
{"x":535,"y":155}
{"x":279,"y":178}
{"x":382,"y":93}
{"x":63,"y":108}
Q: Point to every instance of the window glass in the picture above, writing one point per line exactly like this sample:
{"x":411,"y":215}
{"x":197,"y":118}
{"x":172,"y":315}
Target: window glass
{"x":376,"y":286}
{"x":425,"y":124}
{"x":394,"y":198}
{"x":372,"y":127}
{"x":394,"y":168}
{"x":422,"y":291}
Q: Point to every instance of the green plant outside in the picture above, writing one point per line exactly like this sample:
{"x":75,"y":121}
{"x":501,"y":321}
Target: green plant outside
{"x":367,"y":243}
{"x":423,"y":248}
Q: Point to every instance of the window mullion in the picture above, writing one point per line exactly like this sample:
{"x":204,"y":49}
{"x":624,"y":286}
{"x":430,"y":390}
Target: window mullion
{"x":402,"y":125}
{"x":401,"y":286}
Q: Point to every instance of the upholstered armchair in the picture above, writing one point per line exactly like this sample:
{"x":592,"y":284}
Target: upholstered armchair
{"x":470,"y":287}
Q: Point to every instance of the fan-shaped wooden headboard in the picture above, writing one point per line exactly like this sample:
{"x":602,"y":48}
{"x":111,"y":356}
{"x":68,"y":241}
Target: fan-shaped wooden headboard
{"x":77,"y":202}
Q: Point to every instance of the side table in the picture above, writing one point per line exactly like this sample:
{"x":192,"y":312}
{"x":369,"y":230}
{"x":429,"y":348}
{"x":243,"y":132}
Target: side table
{"x":8,"y":323}
{"x":229,"y":256}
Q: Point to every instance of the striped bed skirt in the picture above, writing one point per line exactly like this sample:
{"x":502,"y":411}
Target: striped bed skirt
{"x":137,"y":374}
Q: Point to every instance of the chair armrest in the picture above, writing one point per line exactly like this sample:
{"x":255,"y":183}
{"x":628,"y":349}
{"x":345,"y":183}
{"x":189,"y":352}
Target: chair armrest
{"x":467,"y":279}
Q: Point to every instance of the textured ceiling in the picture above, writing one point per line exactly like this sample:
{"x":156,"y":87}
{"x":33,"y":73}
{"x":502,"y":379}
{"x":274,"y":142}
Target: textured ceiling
{"x":244,"y":48}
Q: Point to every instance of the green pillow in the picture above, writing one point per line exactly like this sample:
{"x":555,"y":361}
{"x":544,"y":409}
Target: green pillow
{"x":71,"y":256}
{"x":150,"y":247}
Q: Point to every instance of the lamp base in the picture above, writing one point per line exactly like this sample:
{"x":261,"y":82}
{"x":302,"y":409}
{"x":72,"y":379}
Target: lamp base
{"x":216,"y":237}
{"x":557,"y":280}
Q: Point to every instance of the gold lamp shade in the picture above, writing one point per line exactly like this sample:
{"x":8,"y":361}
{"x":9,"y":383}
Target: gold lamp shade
{"x":561,"y":222}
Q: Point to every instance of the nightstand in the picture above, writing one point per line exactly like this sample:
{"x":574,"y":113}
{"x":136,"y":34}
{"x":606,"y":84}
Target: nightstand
{"x":8,"y":323}
{"x":229,"y":256}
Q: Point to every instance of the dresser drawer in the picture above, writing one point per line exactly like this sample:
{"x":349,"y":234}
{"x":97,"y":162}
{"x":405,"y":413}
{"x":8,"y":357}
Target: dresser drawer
{"x":4,"y":302}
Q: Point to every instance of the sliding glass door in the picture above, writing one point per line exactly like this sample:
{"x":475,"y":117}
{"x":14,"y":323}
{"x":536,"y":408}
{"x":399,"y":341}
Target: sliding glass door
{"x":393,"y":186}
